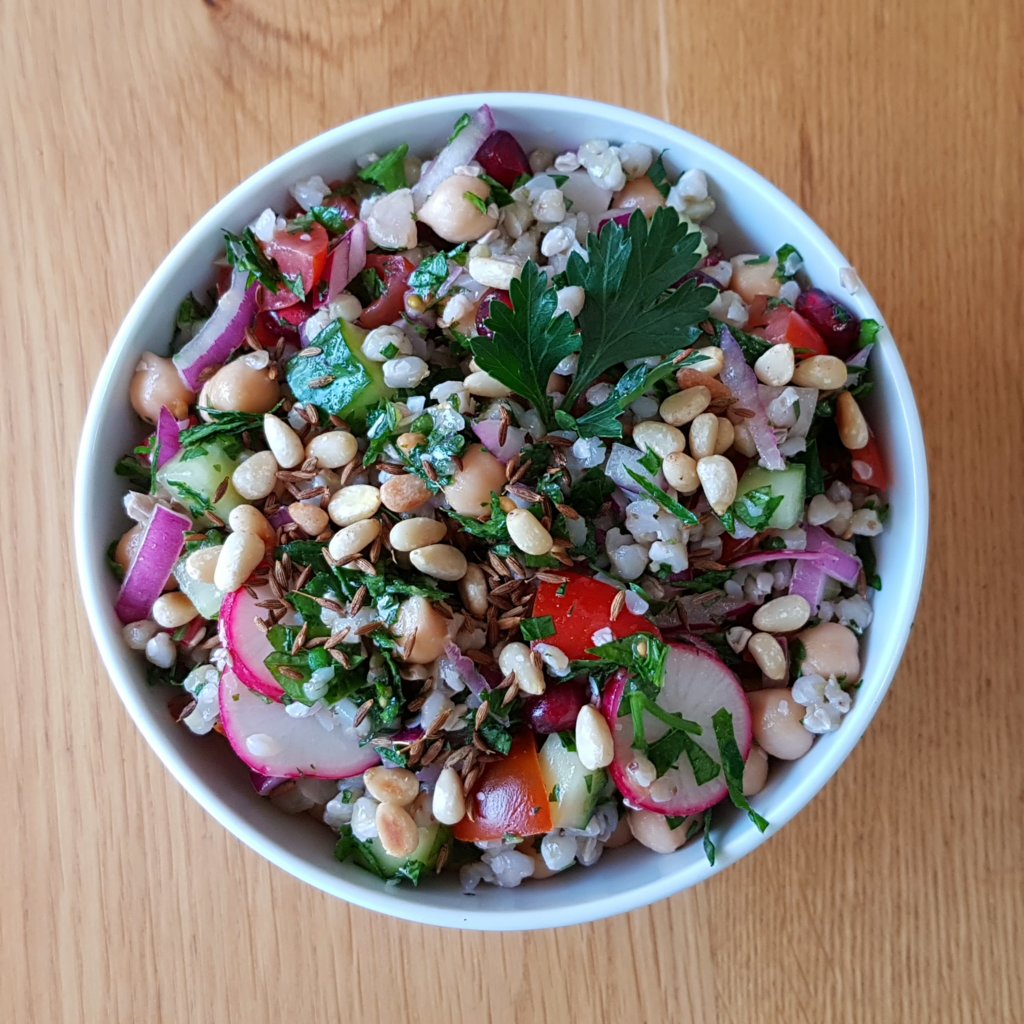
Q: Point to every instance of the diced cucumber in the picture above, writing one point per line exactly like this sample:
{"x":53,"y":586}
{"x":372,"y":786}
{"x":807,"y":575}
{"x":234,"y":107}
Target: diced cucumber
{"x":355,"y":383}
{"x":205,"y":596}
{"x":194,"y":482}
{"x":573,"y":792}
{"x":789,"y":482}
{"x":371,"y":855}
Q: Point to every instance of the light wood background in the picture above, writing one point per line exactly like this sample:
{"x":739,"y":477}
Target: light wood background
{"x":897,"y":896}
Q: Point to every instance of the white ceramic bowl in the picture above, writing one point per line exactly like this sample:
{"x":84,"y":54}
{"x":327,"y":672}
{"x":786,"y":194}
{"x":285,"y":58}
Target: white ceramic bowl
{"x":753,"y":215}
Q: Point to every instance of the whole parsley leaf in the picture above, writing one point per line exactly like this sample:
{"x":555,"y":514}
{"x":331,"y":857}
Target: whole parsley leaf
{"x":634,"y":308}
{"x":529,"y":341}
{"x":388,"y":171}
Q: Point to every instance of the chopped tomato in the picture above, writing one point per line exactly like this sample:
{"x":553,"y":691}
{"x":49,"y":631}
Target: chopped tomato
{"x":509,"y":798}
{"x":787,"y":325}
{"x":868,"y":466}
{"x":584,"y":608}
{"x":272,"y":324}
{"x":394,"y":271}
{"x":300,"y":254}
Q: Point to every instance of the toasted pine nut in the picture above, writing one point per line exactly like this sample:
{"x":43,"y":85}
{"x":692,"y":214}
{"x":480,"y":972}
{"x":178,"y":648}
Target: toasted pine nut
{"x":712,"y":362}
{"x":774,"y":367}
{"x":333,"y":450}
{"x":352,"y":539}
{"x":201,"y":563}
{"x":660,"y":438}
{"x":473,"y":591}
{"x":441,"y":561}
{"x":173,"y":610}
{"x":312,"y":519}
{"x":783,"y":615}
{"x":594,"y":743}
{"x":483,"y":384}
{"x":767,"y":654}
{"x":853,"y":428}
{"x":743,"y":440}
{"x":515,"y":657}
{"x":404,"y":492}
{"x":249,"y":519}
{"x":528,"y":533}
{"x":683,"y":406}
{"x":409,"y":442}
{"x":703,"y":435}
{"x":823,"y":372}
{"x":449,"y":801}
{"x":717,"y":476}
{"x":391,"y":785}
{"x":239,"y":556}
{"x":282,"y":441}
{"x":255,"y":478}
{"x":409,"y":534}
{"x":397,"y":831}
{"x":726,"y":435}
{"x":681,"y":473}
{"x":350,"y":504}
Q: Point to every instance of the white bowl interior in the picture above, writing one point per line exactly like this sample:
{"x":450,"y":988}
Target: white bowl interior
{"x":752,"y":215}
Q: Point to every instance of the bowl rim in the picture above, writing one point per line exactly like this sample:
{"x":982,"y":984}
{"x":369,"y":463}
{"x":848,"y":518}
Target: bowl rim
{"x":415,"y":909}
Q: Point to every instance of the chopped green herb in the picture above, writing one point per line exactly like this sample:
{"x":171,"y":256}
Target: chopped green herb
{"x":681,"y":513}
{"x":732,"y":763}
{"x":591,"y":493}
{"x":474,"y":200}
{"x":659,"y":176}
{"x":706,"y":581}
{"x":869,"y":331}
{"x":755,"y":509}
{"x":537,"y":629}
{"x":389,"y":171}
{"x":709,"y":846}
{"x":332,"y":380}
{"x":331,"y":217}
{"x":790,"y":262}
{"x":459,"y":127}
{"x":245,"y":255}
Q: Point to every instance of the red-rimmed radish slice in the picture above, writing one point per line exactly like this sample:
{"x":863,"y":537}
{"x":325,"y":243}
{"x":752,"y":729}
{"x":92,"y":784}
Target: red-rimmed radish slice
{"x":272,"y":742}
{"x":246,"y":644}
{"x":696,"y":686}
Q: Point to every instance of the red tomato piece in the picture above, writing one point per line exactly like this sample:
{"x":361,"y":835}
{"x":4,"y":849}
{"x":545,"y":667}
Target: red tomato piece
{"x":581,"y":611}
{"x":508,"y":798}
{"x":394,"y":272}
{"x":786,"y":325}
{"x":300,"y":254}
{"x":869,"y":467}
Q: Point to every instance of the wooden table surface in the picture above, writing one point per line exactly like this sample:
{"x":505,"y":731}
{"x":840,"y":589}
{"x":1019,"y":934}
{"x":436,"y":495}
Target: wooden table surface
{"x":897,"y":896}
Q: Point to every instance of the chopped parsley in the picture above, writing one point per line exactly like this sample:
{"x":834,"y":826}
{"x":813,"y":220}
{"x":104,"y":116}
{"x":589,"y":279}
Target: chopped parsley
{"x":389,"y":171}
{"x":245,"y":255}
{"x":474,"y":200}
{"x":537,"y":629}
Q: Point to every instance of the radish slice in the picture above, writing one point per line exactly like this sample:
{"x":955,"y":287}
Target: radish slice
{"x":461,"y":150}
{"x":348,"y":260}
{"x":246,"y":644}
{"x":161,"y":545}
{"x":695,"y":687}
{"x":272,"y":742}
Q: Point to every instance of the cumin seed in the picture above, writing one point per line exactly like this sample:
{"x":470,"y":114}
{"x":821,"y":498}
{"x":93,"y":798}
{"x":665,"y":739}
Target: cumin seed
{"x":290,"y":673}
{"x":308,"y":353}
{"x":358,"y":600}
{"x":481,"y":714}
{"x":618,"y":603}
{"x":300,"y":639}
{"x":364,"y":709}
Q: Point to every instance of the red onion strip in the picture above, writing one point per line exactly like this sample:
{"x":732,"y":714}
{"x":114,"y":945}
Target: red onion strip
{"x":460,"y":151}
{"x":161,"y":545}
{"x":740,"y":379}
{"x":348,"y":259}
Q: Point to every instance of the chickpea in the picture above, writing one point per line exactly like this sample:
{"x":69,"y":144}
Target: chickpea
{"x":452,"y":215}
{"x":651,"y":830}
{"x":469,"y":493}
{"x":417,"y":615}
{"x":831,"y":650}
{"x":639,"y":194}
{"x":128,"y":547}
{"x":243,"y":385}
{"x":156,"y":384}
{"x":778,"y":724}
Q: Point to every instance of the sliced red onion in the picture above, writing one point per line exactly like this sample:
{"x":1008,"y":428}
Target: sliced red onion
{"x":347,"y":260}
{"x":836,"y":562}
{"x":808,"y":581}
{"x":264,"y":784}
{"x":464,"y":668}
{"x":428,"y":776}
{"x":742,"y":382}
{"x":760,"y":557}
{"x":280,"y":517}
{"x":859,"y":359}
{"x":168,"y":436}
{"x":489,"y":433}
{"x":162,"y":541}
{"x":460,"y":151}
{"x":221,"y":334}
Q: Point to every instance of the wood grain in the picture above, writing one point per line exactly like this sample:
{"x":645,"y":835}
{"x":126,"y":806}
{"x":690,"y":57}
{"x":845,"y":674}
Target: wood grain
{"x":897,"y":896}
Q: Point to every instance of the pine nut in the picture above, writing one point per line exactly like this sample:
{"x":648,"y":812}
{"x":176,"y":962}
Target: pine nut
{"x":352,"y":503}
{"x":391,"y":785}
{"x":332,"y":450}
{"x":718,"y":478}
{"x":853,"y":428}
{"x":409,"y":442}
{"x":352,"y":539}
{"x":312,"y":519}
{"x":681,"y":473}
{"x":743,"y":440}
{"x":249,"y":519}
{"x":726,"y":435}
{"x":483,"y":384}
{"x":404,"y":493}
{"x":684,"y":406}
{"x":255,"y":478}
{"x":594,"y":744}
{"x":397,"y":831}
{"x":241,"y":553}
{"x":826,"y":373}
{"x":410,"y":534}
{"x":515,"y":657}
{"x":200,"y":564}
{"x":783,"y":615}
{"x":767,"y":654}
{"x":473,"y":590}
{"x":527,"y":533}
{"x":703,"y":435}
{"x":173,"y":610}
{"x":775,"y":366}
{"x":449,"y":801}
{"x":441,"y":561}
{"x":712,"y":362}
{"x":283,"y":442}
{"x":660,"y":438}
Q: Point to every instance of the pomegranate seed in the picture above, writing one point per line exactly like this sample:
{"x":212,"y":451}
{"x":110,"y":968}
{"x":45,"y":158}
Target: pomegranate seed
{"x":483,"y":311}
{"x":556,"y":710}
{"x":502,"y":158}
{"x":832,"y":320}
